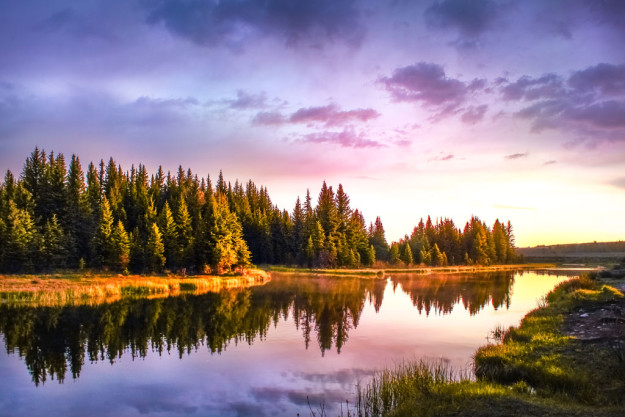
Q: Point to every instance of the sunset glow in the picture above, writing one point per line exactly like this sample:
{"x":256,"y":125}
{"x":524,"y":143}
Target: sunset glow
{"x":501,"y":109}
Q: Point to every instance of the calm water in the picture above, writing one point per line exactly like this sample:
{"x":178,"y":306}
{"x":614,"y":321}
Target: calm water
{"x":257,"y":352}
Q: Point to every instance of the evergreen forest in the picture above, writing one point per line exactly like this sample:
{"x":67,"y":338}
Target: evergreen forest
{"x":56,"y":215}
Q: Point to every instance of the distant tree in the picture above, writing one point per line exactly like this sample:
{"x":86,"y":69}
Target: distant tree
{"x":22,"y":240}
{"x":170,"y":236}
{"x":121,"y":247}
{"x":378,"y":240}
{"x":406,"y":255}
{"x":154,"y":251}
{"x":394,"y":256}
{"x":102,"y":244}
{"x":53,"y":250}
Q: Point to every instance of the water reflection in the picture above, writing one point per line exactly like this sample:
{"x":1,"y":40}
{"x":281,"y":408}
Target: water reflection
{"x":56,"y":341}
{"x":440,"y":293}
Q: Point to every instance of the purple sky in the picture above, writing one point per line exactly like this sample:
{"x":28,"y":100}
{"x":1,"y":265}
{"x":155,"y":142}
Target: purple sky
{"x":508,"y":109}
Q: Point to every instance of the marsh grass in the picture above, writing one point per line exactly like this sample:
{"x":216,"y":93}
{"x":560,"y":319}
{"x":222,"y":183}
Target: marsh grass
{"x":74,"y":289}
{"x":535,"y":370}
{"x":540,"y":354}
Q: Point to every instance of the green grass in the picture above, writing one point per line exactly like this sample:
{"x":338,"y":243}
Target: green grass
{"x":536,"y":370}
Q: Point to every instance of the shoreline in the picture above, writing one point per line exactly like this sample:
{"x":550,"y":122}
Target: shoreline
{"x":565,"y":358}
{"x":383,"y":272}
{"x":73,"y":288}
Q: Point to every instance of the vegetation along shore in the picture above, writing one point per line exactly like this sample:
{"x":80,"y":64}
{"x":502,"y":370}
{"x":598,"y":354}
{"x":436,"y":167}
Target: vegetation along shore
{"x":566,"y":358}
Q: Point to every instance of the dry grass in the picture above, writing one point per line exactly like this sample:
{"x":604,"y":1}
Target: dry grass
{"x":74,"y":288}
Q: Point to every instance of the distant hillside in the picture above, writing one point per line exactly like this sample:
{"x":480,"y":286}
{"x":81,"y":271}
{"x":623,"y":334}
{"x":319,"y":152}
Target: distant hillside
{"x":575,"y":252}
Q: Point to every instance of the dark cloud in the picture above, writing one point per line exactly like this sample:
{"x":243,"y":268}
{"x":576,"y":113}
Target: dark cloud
{"x":233,"y":23}
{"x":528,"y":88}
{"x":427,"y":83}
{"x":347,"y":138}
{"x":608,"y":114}
{"x":605,"y":78}
{"x":517,"y":155}
{"x":330,"y":115}
{"x":469,"y":17}
{"x":590,"y":102}
{"x":474,"y":115}
{"x":609,"y":12}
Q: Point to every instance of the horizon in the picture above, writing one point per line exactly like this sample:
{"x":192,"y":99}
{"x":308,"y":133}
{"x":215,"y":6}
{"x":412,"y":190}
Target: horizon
{"x":453,"y":108}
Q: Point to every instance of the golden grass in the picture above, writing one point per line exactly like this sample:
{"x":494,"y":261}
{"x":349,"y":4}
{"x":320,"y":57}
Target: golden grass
{"x":74,"y":288}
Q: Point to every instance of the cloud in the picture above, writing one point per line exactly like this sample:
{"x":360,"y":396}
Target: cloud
{"x":517,"y":155}
{"x":424,"y":82}
{"x":447,"y":157}
{"x":234,"y":23}
{"x":589,"y":103}
{"x":246,"y":100}
{"x":474,"y":115}
{"x":607,"y":114}
{"x":528,"y":88}
{"x":605,"y":78}
{"x":269,"y":118}
{"x":550,"y":162}
{"x":470,"y":18}
{"x":347,"y":138}
{"x":330,"y":115}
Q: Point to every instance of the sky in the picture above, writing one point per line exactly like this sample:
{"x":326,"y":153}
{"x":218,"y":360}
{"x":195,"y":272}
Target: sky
{"x":451,"y":108}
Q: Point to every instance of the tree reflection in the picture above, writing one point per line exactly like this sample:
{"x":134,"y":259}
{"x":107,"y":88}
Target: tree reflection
{"x":56,"y":340}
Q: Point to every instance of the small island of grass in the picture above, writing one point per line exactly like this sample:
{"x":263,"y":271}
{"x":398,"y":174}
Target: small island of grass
{"x":93,"y":288}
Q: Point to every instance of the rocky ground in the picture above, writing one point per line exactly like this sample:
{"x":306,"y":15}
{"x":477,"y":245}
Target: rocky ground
{"x":604,"y":323}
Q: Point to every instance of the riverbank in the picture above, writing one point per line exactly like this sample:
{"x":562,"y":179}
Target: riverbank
{"x":94,"y":288}
{"x":567,"y":358}
{"x":384,"y":272}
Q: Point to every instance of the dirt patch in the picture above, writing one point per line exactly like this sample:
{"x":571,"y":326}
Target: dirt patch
{"x":604,"y":323}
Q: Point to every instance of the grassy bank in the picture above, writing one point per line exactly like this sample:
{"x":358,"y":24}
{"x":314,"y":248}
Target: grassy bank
{"x":384,"y":271}
{"x":545,"y":367}
{"x":88,"y":288}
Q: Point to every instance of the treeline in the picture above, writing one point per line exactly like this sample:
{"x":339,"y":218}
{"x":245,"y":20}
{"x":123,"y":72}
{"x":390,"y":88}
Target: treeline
{"x":55,"y":216}
{"x":443,"y":244}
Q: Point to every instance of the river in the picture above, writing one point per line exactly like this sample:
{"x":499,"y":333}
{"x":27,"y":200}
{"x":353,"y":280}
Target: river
{"x":263,"y":351}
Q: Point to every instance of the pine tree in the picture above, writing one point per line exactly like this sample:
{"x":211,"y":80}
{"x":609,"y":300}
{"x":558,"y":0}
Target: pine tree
{"x":102,"y":245}
{"x":185,"y":234}
{"x":394,"y":257}
{"x":154,"y":251}
{"x":406,"y":255}
{"x":121,"y":247}
{"x":54,"y":252}
{"x":169,"y":229}
{"x":378,"y":240}
{"x":436,"y":256}
{"x":21,"y":245}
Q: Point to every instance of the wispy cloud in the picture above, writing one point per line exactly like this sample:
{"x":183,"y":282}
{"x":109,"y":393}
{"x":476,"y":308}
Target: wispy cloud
{"x":447,"y":157}
{"x":517,"y":155}
{"x":347,"y":138}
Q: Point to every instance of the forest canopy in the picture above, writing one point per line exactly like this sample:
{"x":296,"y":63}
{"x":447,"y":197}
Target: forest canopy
{"x":58,"y":216}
